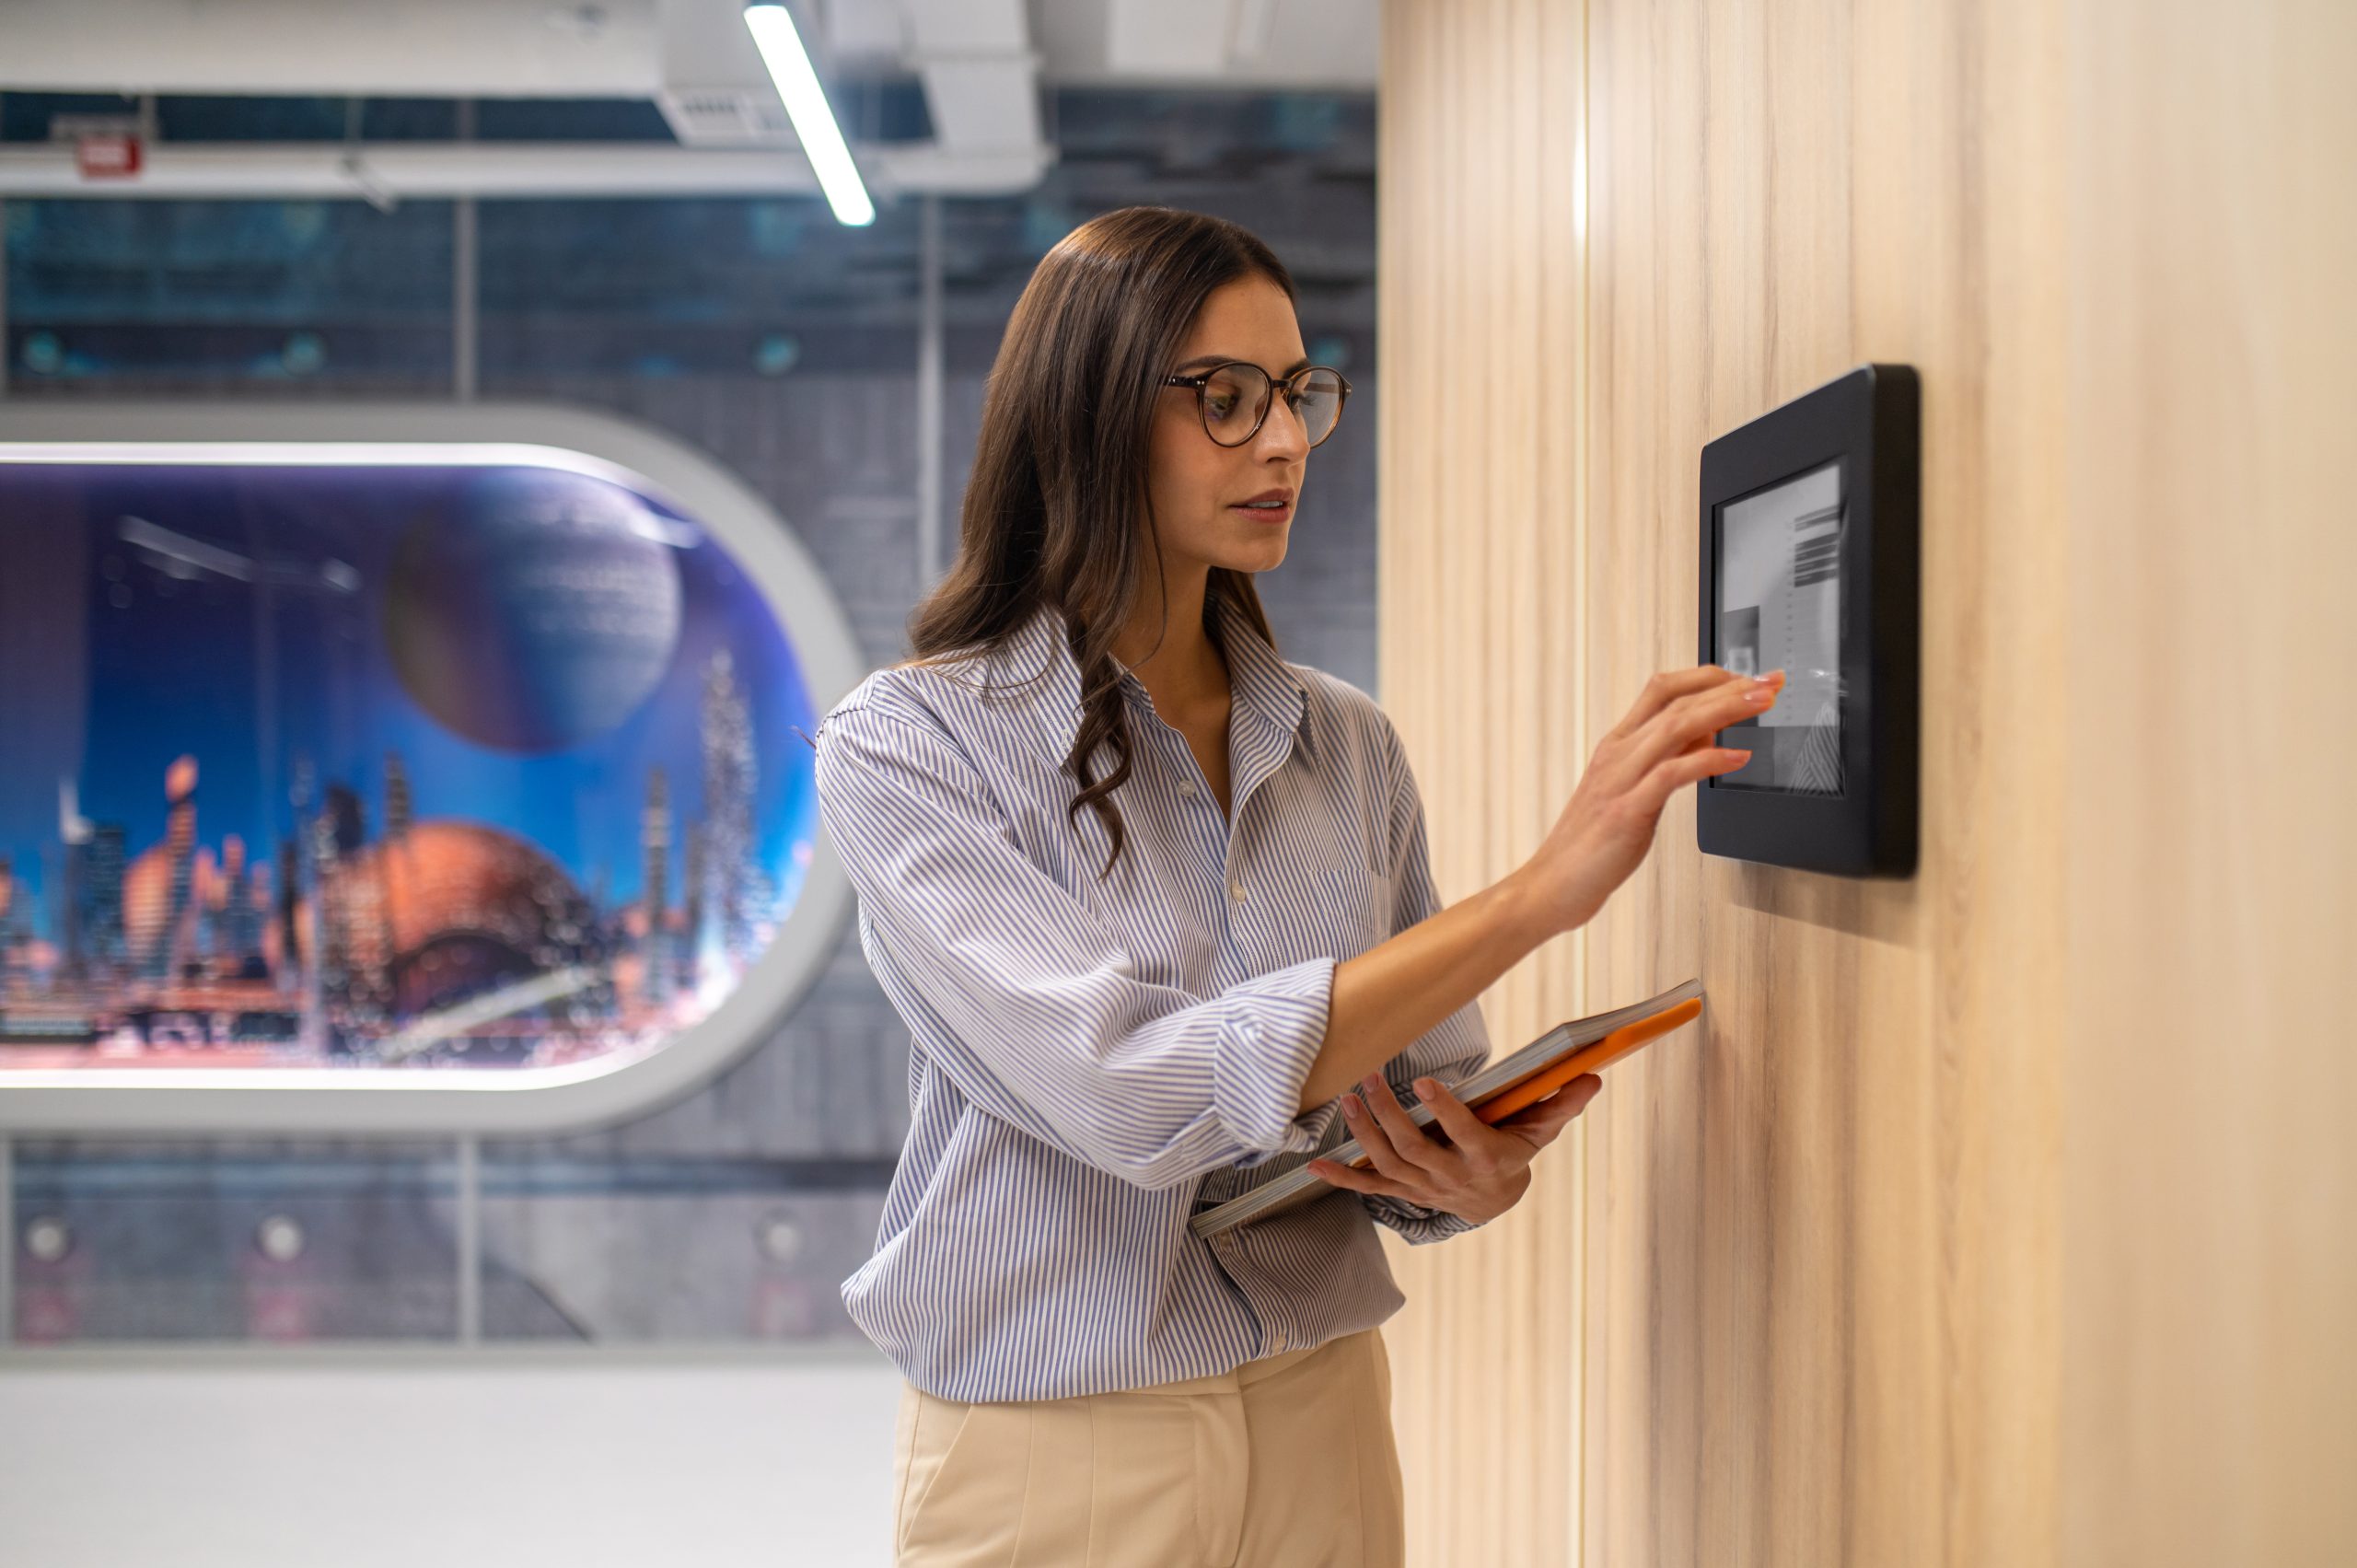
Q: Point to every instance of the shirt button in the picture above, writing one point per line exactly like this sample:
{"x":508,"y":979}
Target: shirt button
{"x":1236,"y":891}
{"x":1187,"y":788}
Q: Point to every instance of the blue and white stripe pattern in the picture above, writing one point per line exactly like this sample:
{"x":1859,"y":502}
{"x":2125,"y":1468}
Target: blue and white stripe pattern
{"x":1091,"y":1062}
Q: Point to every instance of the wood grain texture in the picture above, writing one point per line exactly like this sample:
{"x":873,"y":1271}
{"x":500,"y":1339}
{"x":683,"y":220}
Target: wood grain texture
{"x":1480,"y":421}
{"x":1823,"y":1237}
{"x":2004,"y":1214}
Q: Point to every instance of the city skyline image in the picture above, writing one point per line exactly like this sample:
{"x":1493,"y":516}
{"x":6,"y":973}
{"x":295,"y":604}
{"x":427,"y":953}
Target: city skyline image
{"x":398,"y":766}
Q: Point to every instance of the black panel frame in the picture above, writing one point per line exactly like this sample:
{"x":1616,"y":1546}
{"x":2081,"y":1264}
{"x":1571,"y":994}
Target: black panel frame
{"x":1868,"y":420}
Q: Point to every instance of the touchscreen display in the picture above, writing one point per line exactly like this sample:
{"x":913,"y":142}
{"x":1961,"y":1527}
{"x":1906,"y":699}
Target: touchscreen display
{"x":1780,"y":608}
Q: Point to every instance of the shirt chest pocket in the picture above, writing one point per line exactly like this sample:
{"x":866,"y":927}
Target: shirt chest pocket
{"x":1321,"y":868}
{"x":1354,"y":898}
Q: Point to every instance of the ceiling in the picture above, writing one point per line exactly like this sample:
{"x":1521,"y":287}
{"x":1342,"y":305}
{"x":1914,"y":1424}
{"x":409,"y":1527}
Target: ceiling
{"x":632,"y":48}
{"x":981,"y":65}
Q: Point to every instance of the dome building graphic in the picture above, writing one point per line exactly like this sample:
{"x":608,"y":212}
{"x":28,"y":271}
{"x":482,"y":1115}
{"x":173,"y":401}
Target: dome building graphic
{"x":447,"y":911}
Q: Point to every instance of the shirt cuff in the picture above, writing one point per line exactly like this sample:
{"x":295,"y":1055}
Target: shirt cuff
{"x":1415,"y":1222}
{"x":1262,"y":1054}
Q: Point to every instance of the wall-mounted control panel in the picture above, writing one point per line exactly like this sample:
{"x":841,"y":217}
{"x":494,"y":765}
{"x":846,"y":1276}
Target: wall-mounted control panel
{"x":1809,"y":564}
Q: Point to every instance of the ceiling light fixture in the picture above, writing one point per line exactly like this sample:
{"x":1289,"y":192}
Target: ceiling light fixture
{"x":806,"y":105}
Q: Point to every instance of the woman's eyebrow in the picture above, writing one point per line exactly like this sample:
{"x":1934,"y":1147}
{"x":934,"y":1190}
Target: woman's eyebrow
{"x":1301,"y":364}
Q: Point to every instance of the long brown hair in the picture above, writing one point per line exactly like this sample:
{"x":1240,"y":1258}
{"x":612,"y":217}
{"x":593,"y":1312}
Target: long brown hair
{"x":1056,"y":511}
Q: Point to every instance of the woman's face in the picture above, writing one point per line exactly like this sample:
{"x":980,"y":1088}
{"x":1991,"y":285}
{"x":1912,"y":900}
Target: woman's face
{"x":1198,"y":488}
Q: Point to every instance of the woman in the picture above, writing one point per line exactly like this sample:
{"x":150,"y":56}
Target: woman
{"x":1121,"y":1009}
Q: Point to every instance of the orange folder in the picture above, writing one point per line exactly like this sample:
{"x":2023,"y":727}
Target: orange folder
{"x":1492,"y":1093}
{"x":1591,"y":1059}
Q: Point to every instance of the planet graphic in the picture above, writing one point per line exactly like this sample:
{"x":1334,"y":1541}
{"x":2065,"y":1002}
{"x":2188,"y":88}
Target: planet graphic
{"x":536,"y":609}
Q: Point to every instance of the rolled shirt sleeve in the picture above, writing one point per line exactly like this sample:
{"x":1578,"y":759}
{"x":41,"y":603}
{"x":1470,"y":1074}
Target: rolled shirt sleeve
{"x":1459,"y":1046}
{"x":1027,"y":1001}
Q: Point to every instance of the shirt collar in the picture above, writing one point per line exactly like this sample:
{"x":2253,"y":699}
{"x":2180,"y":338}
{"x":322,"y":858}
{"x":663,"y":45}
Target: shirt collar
{"x":1262,"y":682}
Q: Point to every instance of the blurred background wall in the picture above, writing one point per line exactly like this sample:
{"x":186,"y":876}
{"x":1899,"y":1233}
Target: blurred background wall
{"x":263,"y":1341}
{"x":761,"y":332}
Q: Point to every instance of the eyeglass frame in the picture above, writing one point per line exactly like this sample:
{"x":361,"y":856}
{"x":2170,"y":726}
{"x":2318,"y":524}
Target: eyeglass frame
{"x":1202,"y":379}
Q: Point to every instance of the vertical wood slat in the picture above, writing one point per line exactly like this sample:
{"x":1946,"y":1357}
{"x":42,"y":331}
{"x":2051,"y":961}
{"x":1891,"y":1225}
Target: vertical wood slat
{"x":2210,"y":1375}
{"x":1480,"y":335}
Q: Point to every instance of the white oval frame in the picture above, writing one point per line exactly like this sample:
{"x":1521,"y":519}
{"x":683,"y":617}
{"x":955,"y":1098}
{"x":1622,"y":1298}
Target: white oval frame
{"x":518,"y":1100}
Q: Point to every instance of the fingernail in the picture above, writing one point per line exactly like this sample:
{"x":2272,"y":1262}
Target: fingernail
{"x":1427,"y":1089}
{"x":1758,"y":694}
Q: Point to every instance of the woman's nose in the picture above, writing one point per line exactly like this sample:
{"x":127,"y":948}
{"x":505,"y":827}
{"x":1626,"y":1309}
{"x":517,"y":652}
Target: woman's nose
{"x":1282,"y":433}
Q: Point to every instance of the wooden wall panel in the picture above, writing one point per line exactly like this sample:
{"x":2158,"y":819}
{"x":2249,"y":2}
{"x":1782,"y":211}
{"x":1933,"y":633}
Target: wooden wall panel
{"x":1479,"y":339}
{"x":2004,"y":1214}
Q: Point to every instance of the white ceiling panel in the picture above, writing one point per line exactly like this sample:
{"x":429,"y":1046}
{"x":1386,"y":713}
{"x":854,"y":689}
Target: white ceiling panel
{"x":415,"y":48}
{"x":1143,"y":37}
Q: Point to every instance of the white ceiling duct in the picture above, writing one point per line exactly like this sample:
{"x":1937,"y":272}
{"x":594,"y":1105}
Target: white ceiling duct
{"x":1228,"y":43}
{"x":981,"y":78}
{"x":715,"y":92}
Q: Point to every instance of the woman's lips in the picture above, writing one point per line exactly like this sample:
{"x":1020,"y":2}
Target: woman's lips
{"x":1266,"y":514}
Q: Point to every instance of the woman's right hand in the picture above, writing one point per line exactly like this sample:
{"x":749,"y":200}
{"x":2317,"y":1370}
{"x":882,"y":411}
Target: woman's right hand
{"x":1665,"y":742}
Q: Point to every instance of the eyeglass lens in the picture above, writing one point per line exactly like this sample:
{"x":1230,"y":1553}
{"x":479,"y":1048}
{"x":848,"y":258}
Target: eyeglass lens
{"x":1237,"y":395}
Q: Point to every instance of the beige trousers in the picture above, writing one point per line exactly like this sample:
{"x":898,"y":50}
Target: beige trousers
{"x":1284,"y":1462}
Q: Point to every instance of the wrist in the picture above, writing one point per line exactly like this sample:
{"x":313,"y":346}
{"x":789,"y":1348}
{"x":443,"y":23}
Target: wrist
{"x":1527,"y":913}
{"x":1509,"y":1191}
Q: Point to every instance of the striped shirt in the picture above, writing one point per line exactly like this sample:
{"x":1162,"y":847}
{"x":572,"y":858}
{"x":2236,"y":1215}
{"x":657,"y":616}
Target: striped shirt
{"x":1089,"y":1063}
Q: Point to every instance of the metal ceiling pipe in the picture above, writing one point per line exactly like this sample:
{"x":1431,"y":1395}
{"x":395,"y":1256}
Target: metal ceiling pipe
{"x":390,"y":171}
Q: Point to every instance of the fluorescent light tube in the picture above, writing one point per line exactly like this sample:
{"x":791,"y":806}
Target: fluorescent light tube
{"x":806,"y":105}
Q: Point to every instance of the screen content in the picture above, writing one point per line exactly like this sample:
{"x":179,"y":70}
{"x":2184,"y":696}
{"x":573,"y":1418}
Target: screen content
{"x":1780,"y":608}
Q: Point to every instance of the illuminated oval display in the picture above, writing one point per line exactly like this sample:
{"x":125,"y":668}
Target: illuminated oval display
{"x":329,"y":764}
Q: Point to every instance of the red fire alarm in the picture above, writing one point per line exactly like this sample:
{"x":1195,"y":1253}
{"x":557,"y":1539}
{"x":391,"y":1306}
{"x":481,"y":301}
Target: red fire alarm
{"x":111,"y":155}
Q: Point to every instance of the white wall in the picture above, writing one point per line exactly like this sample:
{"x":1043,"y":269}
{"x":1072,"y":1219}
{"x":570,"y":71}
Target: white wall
{"x":396,"y":1459}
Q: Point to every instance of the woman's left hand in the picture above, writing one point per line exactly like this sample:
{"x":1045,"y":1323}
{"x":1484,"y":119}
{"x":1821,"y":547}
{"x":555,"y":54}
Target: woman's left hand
{"x":1478,"y":1174}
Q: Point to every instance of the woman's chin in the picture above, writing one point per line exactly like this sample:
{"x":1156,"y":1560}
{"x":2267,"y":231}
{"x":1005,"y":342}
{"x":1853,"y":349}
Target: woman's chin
{"x":1251,"y":535}
{"x":1261,"y":555}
